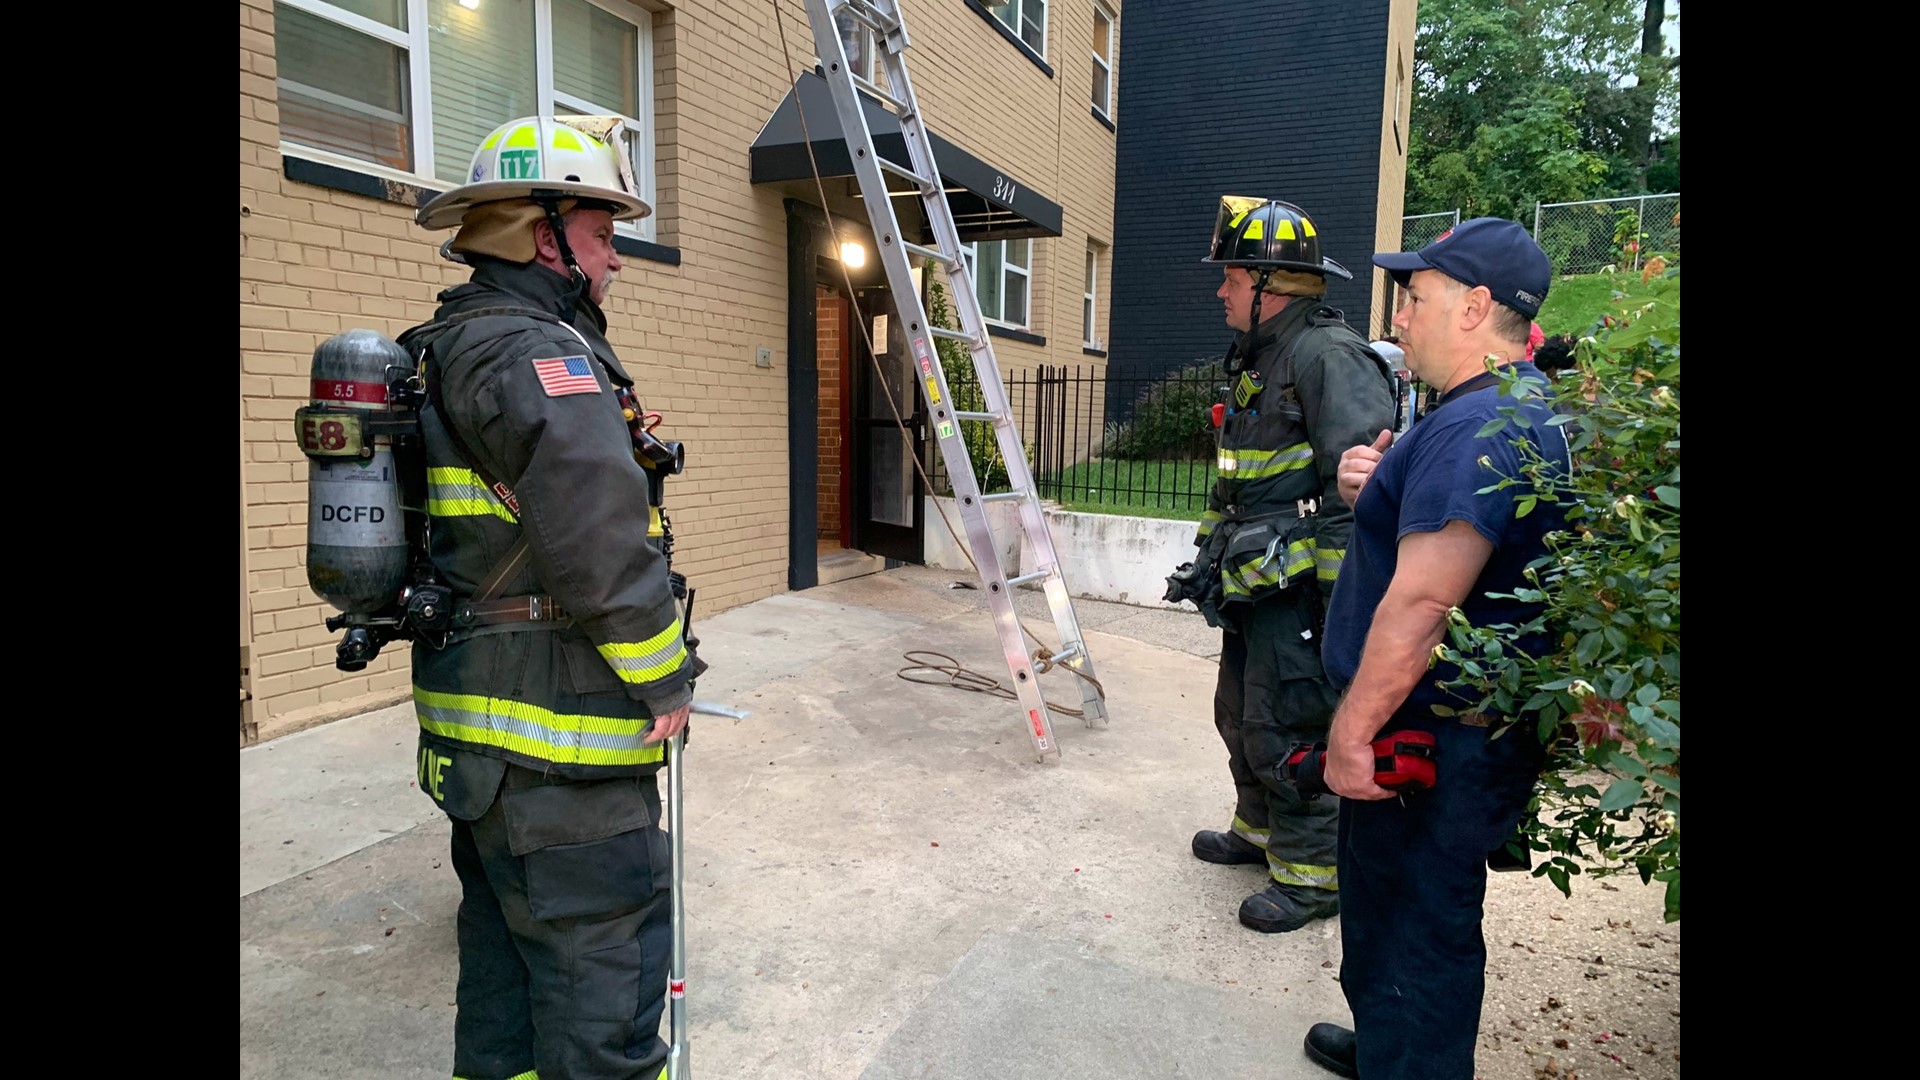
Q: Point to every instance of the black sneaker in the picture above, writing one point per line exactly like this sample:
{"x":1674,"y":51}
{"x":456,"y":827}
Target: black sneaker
{"x":1228,"y":848}
{"x":1279,"y":908}
{"x":1332,"y":1047}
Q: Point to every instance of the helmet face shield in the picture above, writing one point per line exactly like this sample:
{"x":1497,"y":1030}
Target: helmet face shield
{"x":1233,"y":209}
{"x":578,"y":157}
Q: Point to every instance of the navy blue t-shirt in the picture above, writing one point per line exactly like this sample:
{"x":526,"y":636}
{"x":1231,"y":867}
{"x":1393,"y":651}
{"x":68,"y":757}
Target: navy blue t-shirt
{"x":1430,"y":477}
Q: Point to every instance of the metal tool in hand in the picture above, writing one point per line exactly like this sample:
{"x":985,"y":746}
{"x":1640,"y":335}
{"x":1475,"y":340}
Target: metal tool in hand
{"x":679,"y":1052}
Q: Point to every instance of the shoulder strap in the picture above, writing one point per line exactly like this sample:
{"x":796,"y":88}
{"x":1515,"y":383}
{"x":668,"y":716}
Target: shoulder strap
{"x":422,"y":338}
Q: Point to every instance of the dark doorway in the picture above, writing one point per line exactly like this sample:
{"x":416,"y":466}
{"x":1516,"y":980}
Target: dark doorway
{"x":888,"y":513}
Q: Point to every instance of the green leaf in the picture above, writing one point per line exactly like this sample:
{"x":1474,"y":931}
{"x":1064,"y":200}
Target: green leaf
{"x":1647,"y":694}
{"x":1622,"y":794}
{"x":1668,"y":495}
{"x":1491,"y":427}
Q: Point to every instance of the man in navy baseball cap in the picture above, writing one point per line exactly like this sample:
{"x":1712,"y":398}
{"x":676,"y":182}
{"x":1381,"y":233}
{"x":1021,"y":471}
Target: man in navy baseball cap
{"x":1435,"y":537}
{"x":1491,"y":252}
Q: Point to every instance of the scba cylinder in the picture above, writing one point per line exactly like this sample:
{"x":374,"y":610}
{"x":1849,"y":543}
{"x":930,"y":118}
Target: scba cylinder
{"x":356,"y":534}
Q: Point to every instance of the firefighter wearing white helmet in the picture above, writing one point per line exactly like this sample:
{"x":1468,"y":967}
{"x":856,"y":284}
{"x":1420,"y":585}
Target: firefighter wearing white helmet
{"x":1303,"y":386}
{"x":543,"y":712}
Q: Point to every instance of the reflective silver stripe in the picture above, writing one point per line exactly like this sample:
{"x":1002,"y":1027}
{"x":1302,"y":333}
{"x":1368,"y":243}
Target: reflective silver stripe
{"x":645,"y":661}
{"x":1252,"y":464}
{"x":455,"y":492}
{"x":535,"y":732}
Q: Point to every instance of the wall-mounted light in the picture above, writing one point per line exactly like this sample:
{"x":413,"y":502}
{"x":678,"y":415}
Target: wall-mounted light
{"x":853,"y":255}
{"x":470,"y":5}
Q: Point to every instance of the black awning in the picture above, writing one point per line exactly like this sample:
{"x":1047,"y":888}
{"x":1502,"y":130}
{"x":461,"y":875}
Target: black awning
{"x":990,"y":203}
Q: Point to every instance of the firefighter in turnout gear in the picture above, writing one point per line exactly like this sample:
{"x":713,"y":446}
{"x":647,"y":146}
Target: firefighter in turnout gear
{"x":1302,"y":387}
{"x":545,"y":707}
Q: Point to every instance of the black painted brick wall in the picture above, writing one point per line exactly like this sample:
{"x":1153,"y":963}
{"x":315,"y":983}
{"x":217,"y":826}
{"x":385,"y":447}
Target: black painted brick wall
{"x":1275,"y":98}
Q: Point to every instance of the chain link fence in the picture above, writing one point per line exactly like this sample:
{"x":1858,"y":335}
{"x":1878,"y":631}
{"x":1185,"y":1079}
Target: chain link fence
{"x":1586,"y":237}
{"x":1419,"y":230}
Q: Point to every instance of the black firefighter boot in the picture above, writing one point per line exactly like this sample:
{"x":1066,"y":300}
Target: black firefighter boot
{"x":1226,"y":848}
{"x":1331,"y":1047}
{"x":1279,"y":908}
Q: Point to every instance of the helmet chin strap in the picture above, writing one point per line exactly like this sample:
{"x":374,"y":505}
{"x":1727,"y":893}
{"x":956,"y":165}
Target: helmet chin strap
{"x":579,"y":276}
{"x":1236,"y":357}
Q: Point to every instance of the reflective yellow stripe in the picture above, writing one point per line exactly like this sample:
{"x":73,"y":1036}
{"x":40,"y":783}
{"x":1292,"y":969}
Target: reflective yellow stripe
{"x":645,"y":661}
{"x":1284,"y":229}
{"x":455,"y":492}
{"x":565,"y":139}
{"x":1327,"y":562}
{"x":1248,"y":833}
{"x":1306,"y":223}
{"x":1250,"y":464}
{"x":1255,"y":230}
{"x":1259,"y":573}
{"x":1316,"y":877}
{"x":1208,"y":520}
{"x":523,"y":136}
{"x":534,"y":731}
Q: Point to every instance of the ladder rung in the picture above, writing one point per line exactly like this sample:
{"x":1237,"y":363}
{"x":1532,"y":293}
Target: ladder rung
{"x":1016,"y":582}
{"x":866,"y":13}
{"x":935,"y":254}
{"x":1003,"y":496}
{"x":902,"y":171}
{"x":952,"y":335}
{"x":1064,"y":655}
{"x":892,"y":102}
{"x":995,"y":417}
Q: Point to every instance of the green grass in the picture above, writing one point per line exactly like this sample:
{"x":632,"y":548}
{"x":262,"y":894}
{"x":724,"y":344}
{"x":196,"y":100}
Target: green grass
{"x":1575,"y":303}
{"x":1094,"y":487}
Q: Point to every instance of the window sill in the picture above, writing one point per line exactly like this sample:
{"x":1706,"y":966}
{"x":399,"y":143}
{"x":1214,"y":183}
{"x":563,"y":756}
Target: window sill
{"x":403,"y":193}
{"x":1103,"y":118}
{"x":1093,"y":351}
{"x":1016,"y":335}
{"x":1006,"y":32}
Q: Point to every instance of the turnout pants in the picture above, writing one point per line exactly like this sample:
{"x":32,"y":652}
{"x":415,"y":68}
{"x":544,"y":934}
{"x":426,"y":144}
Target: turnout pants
{"x":564,"y":931}
{"x":1413,"y":875}
{"x":1273,"y":693}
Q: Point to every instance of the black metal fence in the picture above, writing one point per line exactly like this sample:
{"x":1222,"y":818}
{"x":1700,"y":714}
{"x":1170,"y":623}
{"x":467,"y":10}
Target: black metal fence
{"x":1100,"y":437}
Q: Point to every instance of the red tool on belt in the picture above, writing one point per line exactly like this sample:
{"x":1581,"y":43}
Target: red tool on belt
{"x":1402,"y":761}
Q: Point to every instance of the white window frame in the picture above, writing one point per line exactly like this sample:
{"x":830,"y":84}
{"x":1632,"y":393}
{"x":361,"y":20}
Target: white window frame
{"x":1105,"y":63}
{"x":1025,"y":273}
{"x":1089,"y":332}
{"x":873,"y":48}
{"x":420,"y":82}
{"x":1018,"y":10}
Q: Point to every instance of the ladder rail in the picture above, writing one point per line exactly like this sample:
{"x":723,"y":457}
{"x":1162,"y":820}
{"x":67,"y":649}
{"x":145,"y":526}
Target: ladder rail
{"x":870,"y":170}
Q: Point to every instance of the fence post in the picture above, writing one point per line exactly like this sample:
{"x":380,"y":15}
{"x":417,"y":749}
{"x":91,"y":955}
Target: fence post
{"x":1640,"y":232}
{"x":1536,"y":221}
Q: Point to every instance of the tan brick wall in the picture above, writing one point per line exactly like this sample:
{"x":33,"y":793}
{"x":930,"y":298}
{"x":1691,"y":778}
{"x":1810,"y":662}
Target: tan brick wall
{"x":831,"y":320}
{"x":315,"y":262}
{"x":1398,"y":84}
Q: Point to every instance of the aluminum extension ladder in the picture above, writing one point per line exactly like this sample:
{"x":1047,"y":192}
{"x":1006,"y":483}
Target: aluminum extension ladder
{"x":884,"y":18}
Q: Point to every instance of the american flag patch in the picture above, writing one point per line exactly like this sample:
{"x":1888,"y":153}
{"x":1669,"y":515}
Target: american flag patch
{"x":566,"y":375}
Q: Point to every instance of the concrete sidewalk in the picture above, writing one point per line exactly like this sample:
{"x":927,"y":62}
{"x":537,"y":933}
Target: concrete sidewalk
{"x":882,"y":884}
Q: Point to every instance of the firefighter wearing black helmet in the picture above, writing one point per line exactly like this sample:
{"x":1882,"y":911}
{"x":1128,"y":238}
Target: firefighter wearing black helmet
{"x":1303,"y":386}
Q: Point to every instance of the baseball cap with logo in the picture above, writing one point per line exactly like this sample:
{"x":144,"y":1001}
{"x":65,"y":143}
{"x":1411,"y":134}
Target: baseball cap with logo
{"x":1493,"y":252}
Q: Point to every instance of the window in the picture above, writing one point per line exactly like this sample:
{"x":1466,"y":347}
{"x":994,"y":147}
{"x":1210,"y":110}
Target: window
{"x":1103,"y":61}
{"x":1026,"y":18}
{"x":1089,"y":303}
{"x":1001,"y":272}
{"x":858,"y":40}
{"x":412,"y":86}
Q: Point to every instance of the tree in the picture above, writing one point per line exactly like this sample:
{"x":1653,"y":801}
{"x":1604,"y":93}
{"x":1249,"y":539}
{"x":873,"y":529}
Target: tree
{"x":1524,"y":101}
